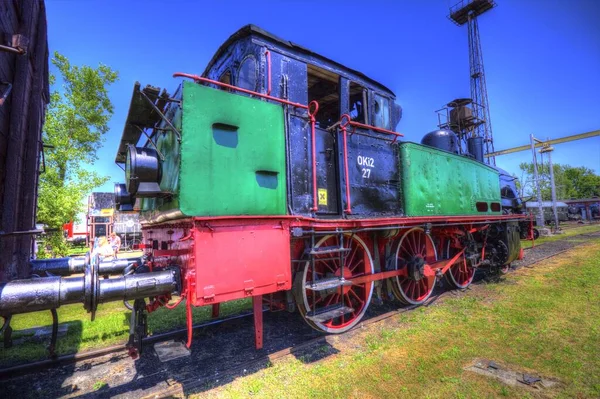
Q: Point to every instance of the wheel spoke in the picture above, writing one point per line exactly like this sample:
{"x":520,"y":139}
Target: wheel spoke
{"x":356,"y":265}
{"x":357,"y":297}
{"x":330,"y":300}
{"x":350,"y":258}
{"x":413,"y":287}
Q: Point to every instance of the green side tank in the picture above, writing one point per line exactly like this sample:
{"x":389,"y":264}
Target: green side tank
{"x":440,"y":183}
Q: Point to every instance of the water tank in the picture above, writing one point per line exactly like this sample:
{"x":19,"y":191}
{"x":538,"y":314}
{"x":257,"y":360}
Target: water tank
{"x":461,"y":115}
{"x":441,"y":139}
{"x":475,"y":147}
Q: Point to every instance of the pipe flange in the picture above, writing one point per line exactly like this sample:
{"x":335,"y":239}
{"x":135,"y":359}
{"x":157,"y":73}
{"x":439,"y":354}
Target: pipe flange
{"x":91,"y":283}
{"x":95,"y":265}
{"x":87,"y":284}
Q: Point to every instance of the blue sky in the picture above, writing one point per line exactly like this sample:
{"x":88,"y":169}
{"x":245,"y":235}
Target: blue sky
{"x":542,"y":57}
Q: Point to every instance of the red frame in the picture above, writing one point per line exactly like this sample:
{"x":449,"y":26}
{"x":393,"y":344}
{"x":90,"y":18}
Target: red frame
{"x":214,"y":273}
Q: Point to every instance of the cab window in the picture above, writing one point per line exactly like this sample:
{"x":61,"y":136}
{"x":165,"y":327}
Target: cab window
{"x":357,"y":103}
{"x":246,"y":78}
{"x":381,"y":112}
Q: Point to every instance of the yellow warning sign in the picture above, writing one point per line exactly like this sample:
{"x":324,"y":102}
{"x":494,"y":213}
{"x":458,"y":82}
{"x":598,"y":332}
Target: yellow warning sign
{"x":323,"y":196}
{"x":107,"y":212}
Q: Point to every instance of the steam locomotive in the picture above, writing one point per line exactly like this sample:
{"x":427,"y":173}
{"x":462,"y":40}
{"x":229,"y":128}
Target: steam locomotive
{"x":278,"y":175}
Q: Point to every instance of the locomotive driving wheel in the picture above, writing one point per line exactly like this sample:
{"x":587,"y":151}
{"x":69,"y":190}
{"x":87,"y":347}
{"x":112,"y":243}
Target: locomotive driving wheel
{"x":460,"y":275}
{"x":326,"y":301}
{"x":414,"y":251}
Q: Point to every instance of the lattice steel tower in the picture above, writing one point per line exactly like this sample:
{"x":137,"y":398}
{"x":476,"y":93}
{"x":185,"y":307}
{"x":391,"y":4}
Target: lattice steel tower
{"x":466,"y":12}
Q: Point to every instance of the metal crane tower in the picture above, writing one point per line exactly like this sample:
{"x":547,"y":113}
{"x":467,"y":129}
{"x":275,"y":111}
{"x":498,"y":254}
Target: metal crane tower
{"x":466,"y":12}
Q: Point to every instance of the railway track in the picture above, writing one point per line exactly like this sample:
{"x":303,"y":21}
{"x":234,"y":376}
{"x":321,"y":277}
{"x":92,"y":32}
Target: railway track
{"x":264,"y":359}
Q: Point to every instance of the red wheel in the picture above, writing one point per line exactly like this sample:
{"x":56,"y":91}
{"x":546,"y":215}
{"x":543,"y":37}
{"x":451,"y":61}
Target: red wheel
{"x":415,"y":250}
{"x":345,"y":303}
{"x":461,"y":273}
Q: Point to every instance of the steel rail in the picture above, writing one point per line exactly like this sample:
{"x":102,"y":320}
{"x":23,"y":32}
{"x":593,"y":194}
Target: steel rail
{"x":79,"y":356}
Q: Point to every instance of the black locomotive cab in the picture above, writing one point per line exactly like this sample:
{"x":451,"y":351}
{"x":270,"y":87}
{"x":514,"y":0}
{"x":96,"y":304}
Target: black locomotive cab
{"x":255,"y":60}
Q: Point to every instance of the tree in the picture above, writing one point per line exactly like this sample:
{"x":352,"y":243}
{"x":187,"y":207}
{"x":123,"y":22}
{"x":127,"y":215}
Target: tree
{"x":76,"y":121}
{"x":570,"y":182}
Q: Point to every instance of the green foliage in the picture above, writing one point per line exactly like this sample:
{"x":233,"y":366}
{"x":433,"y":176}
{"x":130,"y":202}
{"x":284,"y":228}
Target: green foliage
{"x":99,"y":385}
{"x":76,"y":121}
{"x":570,"y":182}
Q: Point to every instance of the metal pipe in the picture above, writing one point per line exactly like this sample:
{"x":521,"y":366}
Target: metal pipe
{"x":58,"y":266}
{"x":68,"y":266}
{"x":117,"y":266}
{"x":159,"y":112}
{"x":136,"y":286}
{"x":20,"y":233}
{"x":540,"y":216}
{"x":268,"y":55}
{"x":10,"y":49}
{"x":554,"y":210}
{"x":228,"y":86}
{"x":31,"y":295}
{"x":565,"y":139}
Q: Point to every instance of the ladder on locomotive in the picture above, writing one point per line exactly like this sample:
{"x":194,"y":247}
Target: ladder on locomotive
{"x":329,"y":284}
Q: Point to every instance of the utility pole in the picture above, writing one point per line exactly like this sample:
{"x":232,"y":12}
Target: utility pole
{"x":548,"y":149}
{"x":540,"y":216}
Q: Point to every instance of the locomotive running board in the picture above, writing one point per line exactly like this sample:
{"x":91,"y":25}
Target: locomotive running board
{"x":329,"y":313}
{"x":327,"y":284}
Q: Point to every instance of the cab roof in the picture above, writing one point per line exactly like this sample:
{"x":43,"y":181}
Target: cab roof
{"x":255,"y":31}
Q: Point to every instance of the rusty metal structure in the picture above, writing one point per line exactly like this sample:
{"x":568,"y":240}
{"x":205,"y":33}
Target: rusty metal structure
{"x":466,"y":12}
{"x":24,"y":94}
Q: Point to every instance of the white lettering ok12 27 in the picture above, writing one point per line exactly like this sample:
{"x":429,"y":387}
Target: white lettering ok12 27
{"x":367,"y":163}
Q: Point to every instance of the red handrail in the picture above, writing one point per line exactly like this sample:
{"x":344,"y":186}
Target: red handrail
{"x":370,"y":127}
{"x":268,"y":54}
{"x":346,"y":174}
{"x":311,"y":115}
{"x":254,"y":93}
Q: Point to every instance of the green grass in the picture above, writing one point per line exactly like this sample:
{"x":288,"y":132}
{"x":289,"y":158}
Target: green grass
{"x":99,"y":385}
{"x":78,"y":250}
{"x":568,"y":232}
{"x":544,"y":320}
{"x":111,"y":327}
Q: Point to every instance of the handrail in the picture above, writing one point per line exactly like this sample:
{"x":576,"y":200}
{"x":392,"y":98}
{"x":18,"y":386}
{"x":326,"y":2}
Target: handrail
{"x":346,"y":174}
{"x":346,"y":121}
{"x":350,"y":122}
{"x":312,"y":108}
{"x":311,"y":115}
{"x":254,"y":93}
{"x":268,"y":55}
